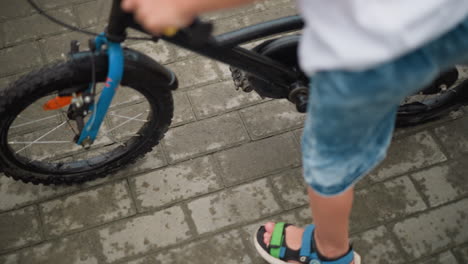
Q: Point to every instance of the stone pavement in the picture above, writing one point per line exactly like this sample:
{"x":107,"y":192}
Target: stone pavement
{"x":230,"y":162}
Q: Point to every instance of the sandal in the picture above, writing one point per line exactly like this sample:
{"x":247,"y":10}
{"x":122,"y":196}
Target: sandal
{"x":278,"y":253}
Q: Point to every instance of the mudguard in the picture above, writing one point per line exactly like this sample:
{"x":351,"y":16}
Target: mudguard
{"x":165,"y":77}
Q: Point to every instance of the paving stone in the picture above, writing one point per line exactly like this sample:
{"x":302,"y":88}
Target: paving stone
{"x":4,"y":82}
{"x":445,"y":258}
{"x":88,"y":208}
{"x":383,"y":202}
{"x":175,"y":183}
{"x":227,"y":25}
{"x":258,"y":158}
{"x":226,"y":73}
{"x":152,"y":160}
{"x":434,"y":230}
{"x":19,"y":228}
{"x":57,"y":3}
{"x":443,"y":183}
{"x":82,"y":248}
{"x":408,"y":154}
{"x":462,"y":253}
{"x":194,"y":71}
{"x":36,"y":25}
{"x":291,"y":188}
{"x":271,"y":117}
{"x":226,"y":248}
{"x":377,"y":246}
{"x":223,"y":14}
{"x":57,"y":47}
{"x":25,"y":56}
{"x":218,"y":98}
{"x":14,"y":194}
{"x":454,"y":138}
{"x":182,"y":109}
{"x":243,"y":203}
{"x":92,"y":13}
{"x":270,"y":14}
{"x":160,"y":52}
{"x":144,"y":233}
{"x":204,"y":136}
{"x":14,"y":8}
{"x":275,"y":3}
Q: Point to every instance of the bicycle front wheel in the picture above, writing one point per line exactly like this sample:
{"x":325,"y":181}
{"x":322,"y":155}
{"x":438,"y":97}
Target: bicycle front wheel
{"x":38,"y":146}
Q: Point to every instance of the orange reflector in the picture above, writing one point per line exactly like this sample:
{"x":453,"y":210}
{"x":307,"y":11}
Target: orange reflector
{"x":57,"y":102}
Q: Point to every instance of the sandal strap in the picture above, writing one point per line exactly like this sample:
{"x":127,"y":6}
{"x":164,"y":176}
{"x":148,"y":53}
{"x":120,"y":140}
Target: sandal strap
{"x":308,"y":251}
{"x":277,"y":239}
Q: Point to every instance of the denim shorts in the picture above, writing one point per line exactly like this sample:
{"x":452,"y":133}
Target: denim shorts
{"x":351,"y":115}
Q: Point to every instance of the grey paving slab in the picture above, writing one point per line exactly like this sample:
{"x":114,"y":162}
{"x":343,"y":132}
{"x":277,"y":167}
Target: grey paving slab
{"x":251,"y":8}
{"x":152,"y":160}
{"x":4,"y":82}
{"x":25,"y":56}
{"x":56,"y":48}
{"x":204,"y":136}
{"x":160,"y":52}
{"x":226,"y":248}
{"x":233,"y":206}
{"x":443,"y":183}
{"x":227,"y":25}
{"x":58,"y":3}
{"x":183,"y":112}
{"x":454,"y":137}
{"x":142,"y":234}
{"x":87,"y":208}
{"x":19,"y":228}
{"x":269,"y":14}
{"x":276,"y":3}
{"x":14,"y":8}
{"x":271,"y":118}
{"x":83,"y":248}
{"x":2,"y":36}
{"x":386,"y":201}
{"x":431,"y":231}
{"x":218,"y":98}
{"x":175,"y":183}
{"x":194,"y":72}
{"x":258,"y":158}
{"x":36,"y":25}
{"x":377,"y":246}
{"x":92,"y":13}
{"x":14,"y":194}
{"x":462,"y":253}
{"x":445,"y":258}
{"x":291,"y":188}
{"x":407,"y":154}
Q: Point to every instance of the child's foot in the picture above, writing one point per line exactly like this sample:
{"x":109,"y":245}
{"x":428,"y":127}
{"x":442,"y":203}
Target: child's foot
{"x":293,"y":236}
{"x":292,"y":240}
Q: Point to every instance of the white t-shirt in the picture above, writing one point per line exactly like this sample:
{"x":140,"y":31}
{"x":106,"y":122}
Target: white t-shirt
{"x":357,"y":34}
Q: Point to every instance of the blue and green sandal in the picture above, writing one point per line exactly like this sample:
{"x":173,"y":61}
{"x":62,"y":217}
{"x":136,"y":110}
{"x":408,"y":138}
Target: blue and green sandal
{"x":278,"y":253}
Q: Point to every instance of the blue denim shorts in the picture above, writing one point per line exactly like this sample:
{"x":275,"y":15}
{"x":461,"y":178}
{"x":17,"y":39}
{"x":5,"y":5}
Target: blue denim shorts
{"x":351,"y":115}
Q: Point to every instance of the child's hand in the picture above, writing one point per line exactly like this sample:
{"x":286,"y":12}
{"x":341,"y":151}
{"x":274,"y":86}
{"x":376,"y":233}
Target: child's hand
{"x":159,"y":15}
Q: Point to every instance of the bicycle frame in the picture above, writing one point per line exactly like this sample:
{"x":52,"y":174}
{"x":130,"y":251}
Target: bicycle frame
{"x":223,"y":48}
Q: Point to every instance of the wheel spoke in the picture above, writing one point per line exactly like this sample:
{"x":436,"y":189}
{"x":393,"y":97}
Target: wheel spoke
{"x":123,"y":123}
{"x":35,"y":121}
{"x":41,"y":137}
{"x":39,"y":142}
{"x":129,"y":118}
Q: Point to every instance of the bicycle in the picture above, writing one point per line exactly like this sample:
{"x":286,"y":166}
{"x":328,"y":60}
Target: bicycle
{"x":78,"y":97}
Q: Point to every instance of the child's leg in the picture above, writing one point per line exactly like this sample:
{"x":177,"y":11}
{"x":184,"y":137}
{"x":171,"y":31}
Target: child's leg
{"x":331,"y":219}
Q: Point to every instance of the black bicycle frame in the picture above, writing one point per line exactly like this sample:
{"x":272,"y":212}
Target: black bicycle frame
{"x":223,"y":48}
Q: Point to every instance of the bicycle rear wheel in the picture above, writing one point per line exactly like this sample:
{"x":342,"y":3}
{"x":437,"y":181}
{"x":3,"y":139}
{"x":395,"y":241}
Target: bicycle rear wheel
{"x":39,"y":146}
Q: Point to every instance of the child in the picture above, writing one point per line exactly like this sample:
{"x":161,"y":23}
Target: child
{"x":366,"y":56}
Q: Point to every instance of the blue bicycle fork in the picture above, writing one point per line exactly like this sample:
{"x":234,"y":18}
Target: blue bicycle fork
{"x":114,"y":76}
